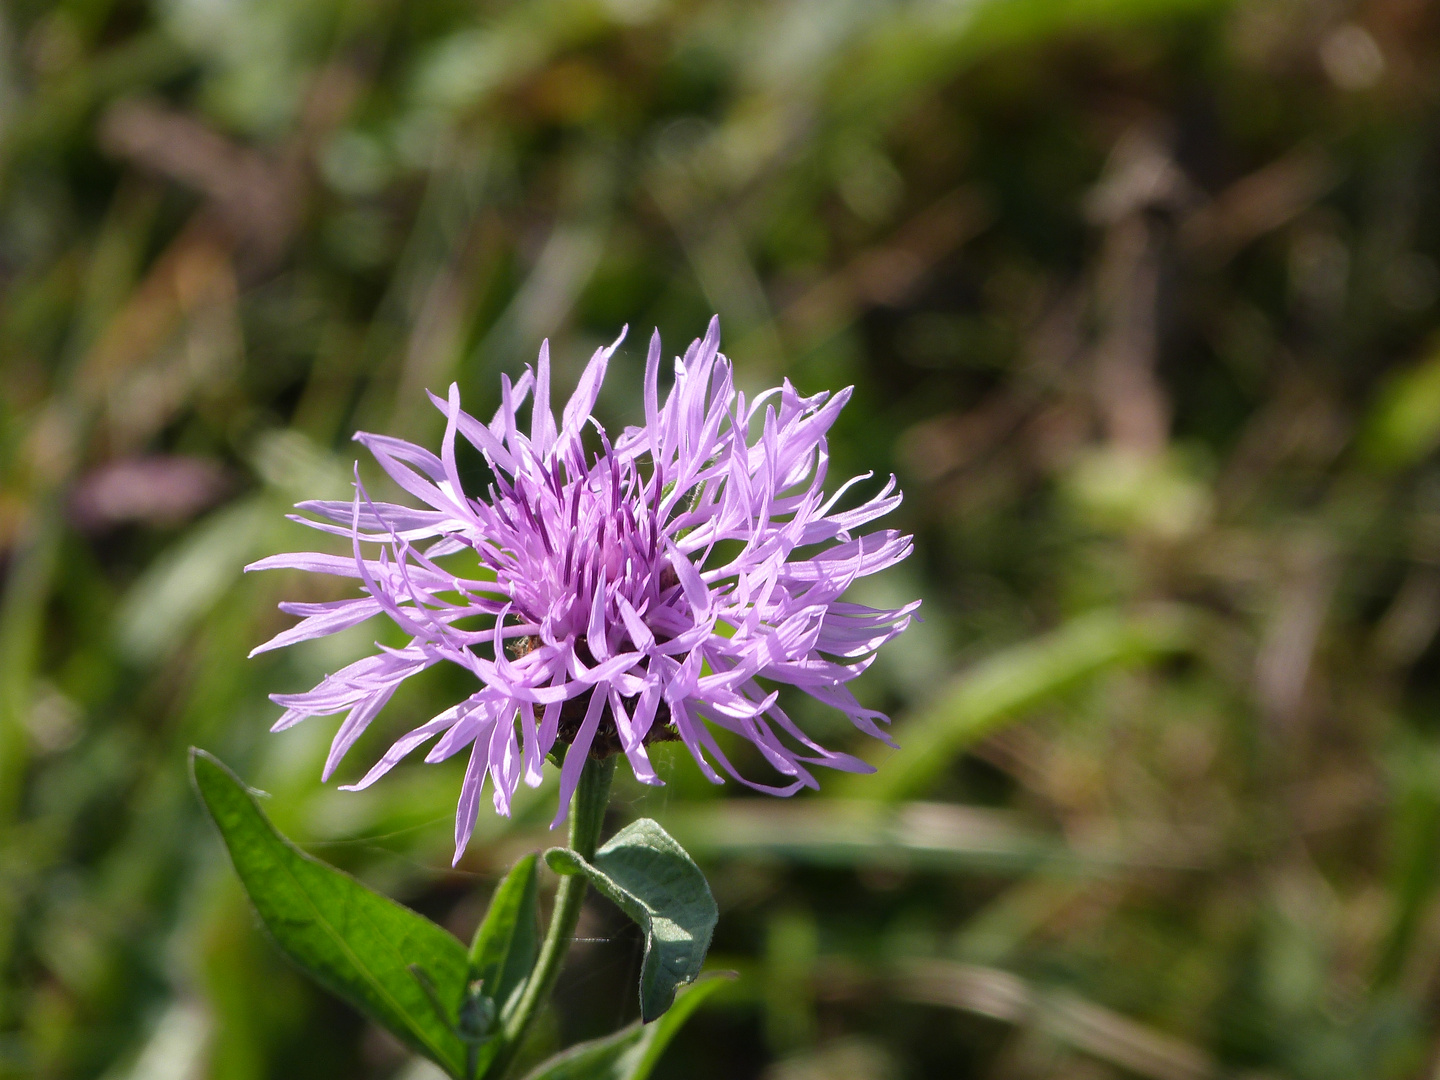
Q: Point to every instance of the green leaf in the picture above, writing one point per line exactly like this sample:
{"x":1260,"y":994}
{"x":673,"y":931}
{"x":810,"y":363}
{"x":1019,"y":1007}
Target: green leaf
{"x":507,"y":942}
{"x":633,"y":1052}
{"x":647,"y":875}
{"x":357,"y":943}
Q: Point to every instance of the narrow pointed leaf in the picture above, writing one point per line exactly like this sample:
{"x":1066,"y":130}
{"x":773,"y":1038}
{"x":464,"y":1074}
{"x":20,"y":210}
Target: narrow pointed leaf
{"x":633,"y":1052}
{"x":647,"y":875}
{"x":357,"y":943}
{"x":506,"y":943}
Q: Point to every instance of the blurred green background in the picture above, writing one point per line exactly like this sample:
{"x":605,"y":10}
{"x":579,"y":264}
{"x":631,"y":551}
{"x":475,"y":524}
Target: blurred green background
{"x":1140,"y":301}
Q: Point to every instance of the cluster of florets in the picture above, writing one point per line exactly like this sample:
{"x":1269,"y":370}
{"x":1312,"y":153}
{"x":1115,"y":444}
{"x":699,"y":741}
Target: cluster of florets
{"x":615,"y":596}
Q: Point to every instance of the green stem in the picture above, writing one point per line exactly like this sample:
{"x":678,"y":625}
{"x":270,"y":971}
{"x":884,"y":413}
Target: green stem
{"x":587,"y":816}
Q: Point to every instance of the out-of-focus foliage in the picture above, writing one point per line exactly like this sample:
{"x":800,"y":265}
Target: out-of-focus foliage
{"x":1140,"y":301}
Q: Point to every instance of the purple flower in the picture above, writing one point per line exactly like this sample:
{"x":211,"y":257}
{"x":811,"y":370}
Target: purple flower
{"x":664,"y":584}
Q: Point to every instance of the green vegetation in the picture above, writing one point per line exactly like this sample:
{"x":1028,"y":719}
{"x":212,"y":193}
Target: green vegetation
{"x":1139,"y":298}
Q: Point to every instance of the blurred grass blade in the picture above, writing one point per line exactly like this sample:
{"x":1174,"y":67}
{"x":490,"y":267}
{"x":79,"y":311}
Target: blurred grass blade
{"x":188,"y":579}
{"x":1008,"y":684}
{"x":359,"y":944}
{"x":298,"y":469}
{"x":507,"y":941}
{"x":633,"y":1052}
{"x":178,"y":1046}
{"x":1403,"y":424}
{"x":141,"y":61}
{"x":789,"y":989}
{"x":185,"y":582}
{"x":1414,"y":851}
{"x":994,"y":933}
{"x":1065,"y":1017}
{"x":923,"y":835}
{"x":27,"y":590}
{"x":850,"y":833}
{"x":647,"y":875}
{"x":915,"y":46}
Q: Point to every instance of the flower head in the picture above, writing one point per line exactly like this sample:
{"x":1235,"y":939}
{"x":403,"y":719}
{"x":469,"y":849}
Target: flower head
{"x":669,"y":581}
